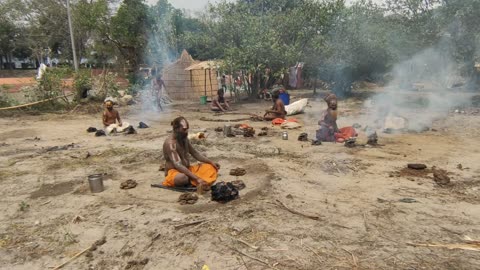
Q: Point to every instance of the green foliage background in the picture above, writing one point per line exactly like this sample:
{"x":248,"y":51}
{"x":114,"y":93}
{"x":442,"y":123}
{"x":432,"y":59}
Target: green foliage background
{"x":338,"y":43}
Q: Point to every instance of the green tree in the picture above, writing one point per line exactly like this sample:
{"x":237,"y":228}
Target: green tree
{"x":128,"y":31}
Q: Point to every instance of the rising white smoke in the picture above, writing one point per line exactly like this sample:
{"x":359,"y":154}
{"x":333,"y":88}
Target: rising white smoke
{"x":422,"y":89}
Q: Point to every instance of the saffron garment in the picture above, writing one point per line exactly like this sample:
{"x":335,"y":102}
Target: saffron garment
{"x":329,"y":131}
{"x":203,"y":170}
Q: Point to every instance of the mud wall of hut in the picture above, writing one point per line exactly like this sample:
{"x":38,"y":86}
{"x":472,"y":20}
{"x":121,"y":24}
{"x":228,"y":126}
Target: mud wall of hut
{"x":190,"y":85}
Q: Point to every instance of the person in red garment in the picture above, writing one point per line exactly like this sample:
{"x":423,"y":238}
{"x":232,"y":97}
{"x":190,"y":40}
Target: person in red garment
{"x":329,"y":131}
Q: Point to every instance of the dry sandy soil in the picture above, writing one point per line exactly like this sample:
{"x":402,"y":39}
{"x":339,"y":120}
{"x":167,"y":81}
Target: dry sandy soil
{"x":352,"y":196}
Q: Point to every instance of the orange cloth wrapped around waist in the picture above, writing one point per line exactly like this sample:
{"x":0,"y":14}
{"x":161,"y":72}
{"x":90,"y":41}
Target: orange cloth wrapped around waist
{"x":345,"y":133}
{"x":203,"y":170}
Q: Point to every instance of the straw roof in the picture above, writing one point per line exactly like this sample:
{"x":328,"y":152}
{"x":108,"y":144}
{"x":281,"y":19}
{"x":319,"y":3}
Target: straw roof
{"x":190,"y":79}
{"x":203,"y":65}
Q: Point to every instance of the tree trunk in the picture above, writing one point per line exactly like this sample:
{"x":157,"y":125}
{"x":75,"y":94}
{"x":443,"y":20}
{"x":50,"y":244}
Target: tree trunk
{"x":9,"y":61}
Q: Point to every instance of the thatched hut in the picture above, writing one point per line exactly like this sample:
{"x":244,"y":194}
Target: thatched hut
{"x":187,"y":79}
{"x":203,"y":78}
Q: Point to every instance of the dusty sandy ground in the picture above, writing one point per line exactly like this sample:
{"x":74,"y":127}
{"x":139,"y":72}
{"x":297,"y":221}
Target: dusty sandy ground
{"x":353,"y":192}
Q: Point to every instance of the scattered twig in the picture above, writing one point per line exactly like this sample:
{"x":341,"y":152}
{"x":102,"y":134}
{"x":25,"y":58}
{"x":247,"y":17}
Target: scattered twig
{"x":246,"y":244}
{"x":340,"y":226}
{"x":254,"y":258}
{"x":244,"y":263}
{"x":314,"y":252}
{"x":354,"y":259}
{"x":154,"y":238}
{"x":365,"y":221}
{"x":180,"y":226}
{"x":73,"y":258}
{"x":296,"y":212}
{"x":469,"y":245}
{"x":126,"y":209}
{"x":45,"y":203}
{"x":91,"y":247}
{"x":74,"y":109}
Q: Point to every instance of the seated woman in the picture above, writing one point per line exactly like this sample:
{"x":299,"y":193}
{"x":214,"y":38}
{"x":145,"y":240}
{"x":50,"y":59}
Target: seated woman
{"x":219,"y":103}
{"x":329,"y":131}
{"x":278,"y":109}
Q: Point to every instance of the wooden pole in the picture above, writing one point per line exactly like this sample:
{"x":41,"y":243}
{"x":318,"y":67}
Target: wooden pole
{"x":205,"y":82}
{"x":191,"y":85}
{"x":210,"y":77}
{"x":34,"y":103}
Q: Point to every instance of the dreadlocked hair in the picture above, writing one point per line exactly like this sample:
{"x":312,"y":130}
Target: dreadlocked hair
{"x":176,"y":123}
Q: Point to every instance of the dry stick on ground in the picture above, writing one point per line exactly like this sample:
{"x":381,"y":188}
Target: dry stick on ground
{"x":314,"y":252}
{"x":246,"y":244}
{"x":468,"y":245}
{"x":244,"y":263}
{"x":154,"y":238}
{"x":91,"y":247}
{"x":33,"y":103}
{"x":365,"y":221}
{"x":253,"y":258}
{"x":45,"y":203}
{"x":189,"y":224}
{"x":353,"y":258}
{"x":73,"y":258}
{"x":296,"y":212}
{"x":126,"y":209}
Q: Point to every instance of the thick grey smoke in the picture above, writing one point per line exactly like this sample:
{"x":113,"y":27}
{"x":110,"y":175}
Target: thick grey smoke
{"x":422,"y":89}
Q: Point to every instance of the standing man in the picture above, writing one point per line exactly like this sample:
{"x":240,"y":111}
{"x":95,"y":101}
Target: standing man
{"x":178,"y":171}
{"x":223,"y":82}
{"x":159,"y":90}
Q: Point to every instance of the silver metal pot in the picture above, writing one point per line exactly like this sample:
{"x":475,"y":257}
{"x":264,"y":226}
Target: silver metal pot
{"x":227,"y":130}
{"x":96,"y":183}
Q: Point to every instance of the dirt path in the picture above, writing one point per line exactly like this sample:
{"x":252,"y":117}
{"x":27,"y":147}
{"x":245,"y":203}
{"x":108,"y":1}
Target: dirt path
{"x":356,"y":194}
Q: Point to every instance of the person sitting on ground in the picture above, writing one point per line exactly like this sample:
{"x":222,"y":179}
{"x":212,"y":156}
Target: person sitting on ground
{"x":178,"y":171}
{"x":329,"y":131}
{"x":111,"y":119}
{"x":219,"y":103}
{"x":278,"y":109}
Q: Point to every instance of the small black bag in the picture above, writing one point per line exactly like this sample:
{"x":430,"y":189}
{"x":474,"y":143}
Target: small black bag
{"x":142,"y":125}
{"x":303,"y":137}
{"x":100,"y":133}
{"x":224,"y":192}
{"x":91,"y":129}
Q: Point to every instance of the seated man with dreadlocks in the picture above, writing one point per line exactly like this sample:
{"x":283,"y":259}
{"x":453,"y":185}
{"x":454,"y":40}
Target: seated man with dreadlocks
{"x":278,"y":109}
{"x":329,"y":131}
{"x":178,"y":171}
{"x":219,"y":103}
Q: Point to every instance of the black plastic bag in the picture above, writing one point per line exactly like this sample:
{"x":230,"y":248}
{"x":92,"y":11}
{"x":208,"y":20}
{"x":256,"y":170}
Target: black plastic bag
{"x":100,"y":133}
{"x":142,"y":125}
{"x":224,"y":192}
